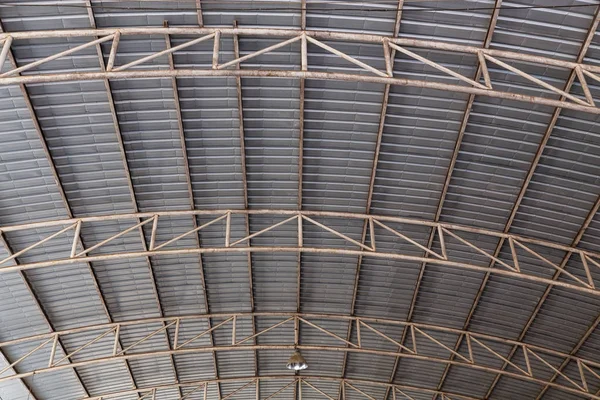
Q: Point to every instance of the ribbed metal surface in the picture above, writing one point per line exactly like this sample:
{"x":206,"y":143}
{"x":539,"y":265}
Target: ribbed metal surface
{"x":136,"y":159}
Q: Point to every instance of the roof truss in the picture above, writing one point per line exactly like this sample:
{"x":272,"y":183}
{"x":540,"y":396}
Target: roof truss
{"x":378,"y":226}
{"x":482,"y":351}
{"x":483,"y":55}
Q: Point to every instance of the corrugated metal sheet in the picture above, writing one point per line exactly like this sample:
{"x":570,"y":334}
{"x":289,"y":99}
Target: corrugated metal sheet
{"x":341,"y":122}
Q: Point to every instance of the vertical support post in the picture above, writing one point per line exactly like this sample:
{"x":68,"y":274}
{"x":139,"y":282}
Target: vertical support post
{"x":153,"y":234}
{"x":303,"y":14}
{"x":414,"y":338}
{"x":358,"y":333}
{"x":296,"y":330}
{"x":215,"y":57}
{"x":527,"y":363}
{"x":513,"y":252}
{"x":228,"y":229}
{"x":586,"y":267}
{"x":234,"y":322}
{"x":468,"y":339}
{"x":300,"y":233}
{"x":389,"y":66}
{"x":372,"y":233}
{"x":5,"y":50}
{"x":442,"y":241}
{"x":199,"y":12}
{"x":206,"y":391}
{"x":257,"y":394}
{"x":53,"y":351}
{"x":304,"y":52}
{"x":176,"y":338}
{"x":484,"y":70}
{"x":76,"y":239}
{"x":113,"y":51}
{"x":299,"y":388}
{"x":116,"y":342}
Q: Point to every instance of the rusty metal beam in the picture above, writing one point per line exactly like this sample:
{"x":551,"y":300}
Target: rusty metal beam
{"x":380,"y":129}
{"x":486,"y":43}
{"x":307,"y":380}
{"x":240,"y":104}
{"x":38,"y":129}
{"x":119,"y":138}
{"x":549,"y":129}
{"x":190,"y":191}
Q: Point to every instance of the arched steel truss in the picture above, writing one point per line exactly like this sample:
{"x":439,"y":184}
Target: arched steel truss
{"x":310,"y":383}
{"x":373,"y":336}
{"x":581,"y":280}
{"x":390,"y":45}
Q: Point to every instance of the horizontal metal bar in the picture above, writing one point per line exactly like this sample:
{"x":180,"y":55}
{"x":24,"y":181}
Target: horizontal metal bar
{"x":308,"y":250}
{"x":280,"y":378}
{"x":322,"y":35}
{"x":291,"y":347}
{"x":183,"y":73}
{"x":275,"y":212}
{"x":100,"y":328}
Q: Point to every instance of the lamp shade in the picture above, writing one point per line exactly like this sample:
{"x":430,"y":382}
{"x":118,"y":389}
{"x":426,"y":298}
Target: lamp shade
{"x":296,"y":362}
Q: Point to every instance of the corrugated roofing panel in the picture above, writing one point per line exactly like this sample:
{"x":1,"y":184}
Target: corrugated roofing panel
{"x":27,"y":181}
{"x":327,"y":281}
{"x":274,"y":275}
{"x":227,"y":275}
{"x":345,"y":16}
{"x":271,"y":131}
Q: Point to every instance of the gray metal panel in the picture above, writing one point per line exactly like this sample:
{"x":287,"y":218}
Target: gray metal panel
{"x":275,"y":275}
{"x":271,"y":131}
{"x":348,"y":16}
{"x":327,"y":281}
{"x":227,"y":276}
{"x":78,"y":127}
{"x":339,"y":141}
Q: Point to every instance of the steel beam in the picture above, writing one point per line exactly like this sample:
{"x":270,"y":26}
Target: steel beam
{"x":473,"y":87}
{"x":310,"y":381}
{"x":123,"y":154}
{"x":240,"y":104}
{"x":38,"y":129}
{"x":444,"y":259}
{"x":381,"y":126}
{"x":424,"y":333}
{"x":188,"y":180}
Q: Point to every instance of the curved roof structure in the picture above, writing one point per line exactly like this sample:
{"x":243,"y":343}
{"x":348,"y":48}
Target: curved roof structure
{"x":405,"y":191}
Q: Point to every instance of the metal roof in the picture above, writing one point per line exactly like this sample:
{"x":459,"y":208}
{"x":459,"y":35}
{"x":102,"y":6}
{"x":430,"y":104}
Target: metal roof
{"x":405,"y":191}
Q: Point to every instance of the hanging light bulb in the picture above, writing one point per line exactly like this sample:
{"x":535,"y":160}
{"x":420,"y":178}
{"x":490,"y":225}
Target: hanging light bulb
{"x":296,"y":362}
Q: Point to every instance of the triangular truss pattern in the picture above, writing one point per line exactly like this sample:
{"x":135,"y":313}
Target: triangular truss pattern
{"x":579,"y":277}
{"x":423,"y":336}
{"x":390,"y":45}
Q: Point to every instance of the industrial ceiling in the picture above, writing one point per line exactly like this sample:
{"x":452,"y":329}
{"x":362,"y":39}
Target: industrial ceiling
{"x":406,"y":192}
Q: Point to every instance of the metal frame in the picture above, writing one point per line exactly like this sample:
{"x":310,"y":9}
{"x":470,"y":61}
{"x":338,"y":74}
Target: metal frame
{"x":576,"y":73}
{"x":480,"y":346}
{"x":6,"y":54}
{"x":469,"y":86}
{"x":188,"y":177}
{"x":378,"y":225}
{"x":389,"y":55}
{"x":309,"y":381}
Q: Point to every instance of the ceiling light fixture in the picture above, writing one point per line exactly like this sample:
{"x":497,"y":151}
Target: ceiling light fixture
{"x":296,"y":362}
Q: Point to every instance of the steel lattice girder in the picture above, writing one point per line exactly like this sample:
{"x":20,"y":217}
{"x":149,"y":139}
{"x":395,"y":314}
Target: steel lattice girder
{"x":389,"y":45}
{"x":310,"y":382}
{"x":480,"y":354}
{"x":577,"y":280}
